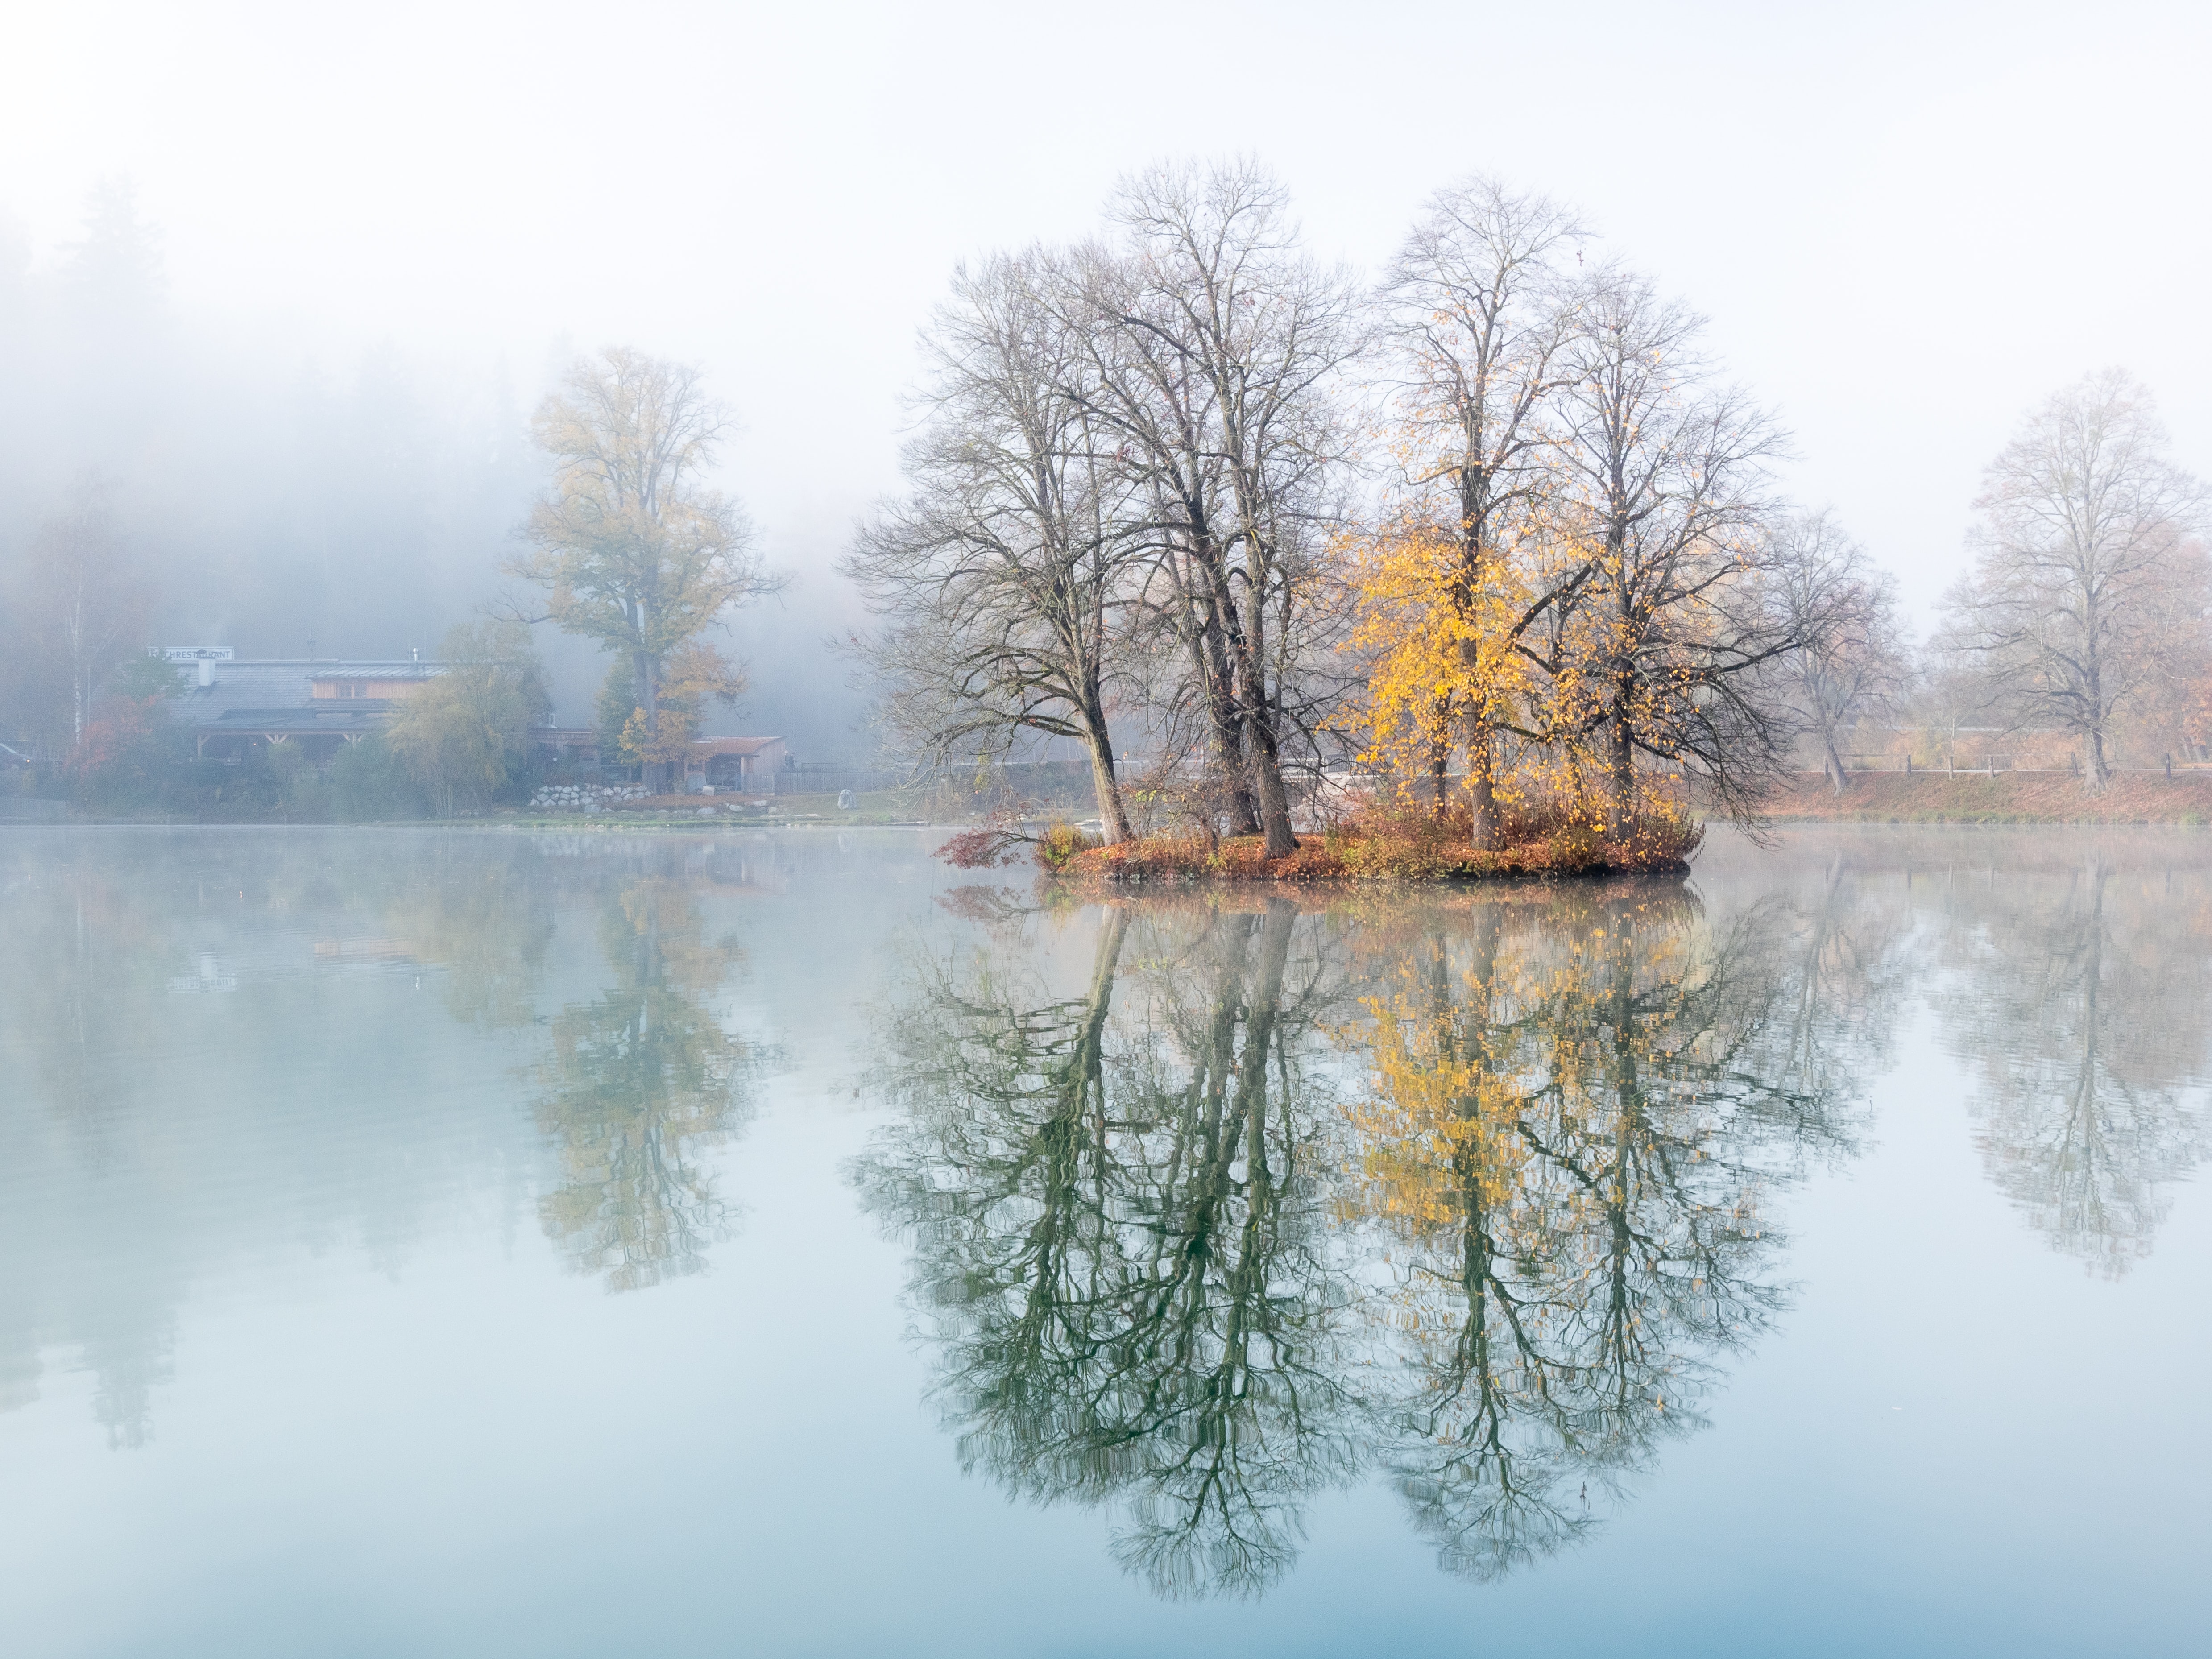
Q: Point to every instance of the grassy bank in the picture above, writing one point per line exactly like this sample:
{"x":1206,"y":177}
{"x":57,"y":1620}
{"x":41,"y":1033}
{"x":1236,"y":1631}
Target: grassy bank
{"x":1998,"y":798}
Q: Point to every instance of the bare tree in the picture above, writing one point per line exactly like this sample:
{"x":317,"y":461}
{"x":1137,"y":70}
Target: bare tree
{"x":1216,"y":341}
{"x":1161,"y":416}
{"x":1479,"y":317}
{"x":1852,"y":662}
{"x":632,"y":546}
{"x":2080,"y":552}
{"x":1950,"y":696}
{"x":1002,"y":575}
{"x":1659,"y":636}
{"x":87,"y":609}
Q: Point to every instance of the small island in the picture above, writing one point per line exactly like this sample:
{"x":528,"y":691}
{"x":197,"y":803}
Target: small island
{"x":1371,"y":845}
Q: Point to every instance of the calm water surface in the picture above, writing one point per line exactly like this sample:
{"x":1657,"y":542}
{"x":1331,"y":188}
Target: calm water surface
{"x":485,"y":1243}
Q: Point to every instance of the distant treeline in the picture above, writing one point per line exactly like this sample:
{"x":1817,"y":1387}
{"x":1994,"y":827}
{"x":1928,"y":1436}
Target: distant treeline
{"x":170,"y":483}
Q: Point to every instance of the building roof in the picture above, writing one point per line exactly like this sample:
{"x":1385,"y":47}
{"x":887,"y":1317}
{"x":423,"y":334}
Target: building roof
{"x":265,"y":685}
{"x":730,"y":745}
{"x":329,"y":715}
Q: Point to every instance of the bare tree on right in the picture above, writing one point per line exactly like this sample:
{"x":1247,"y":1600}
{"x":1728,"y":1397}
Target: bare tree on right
{"x":2074,"y":607}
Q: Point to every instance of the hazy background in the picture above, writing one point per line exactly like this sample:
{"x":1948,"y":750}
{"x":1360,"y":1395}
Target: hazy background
{"x":360,"y":241}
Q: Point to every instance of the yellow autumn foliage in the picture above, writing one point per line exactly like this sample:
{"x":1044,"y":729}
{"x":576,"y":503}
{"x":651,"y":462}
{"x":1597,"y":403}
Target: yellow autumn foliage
{"x":1438,"y":633}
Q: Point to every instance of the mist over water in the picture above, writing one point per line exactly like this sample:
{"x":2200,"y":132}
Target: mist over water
{"x":1322,"y":1265}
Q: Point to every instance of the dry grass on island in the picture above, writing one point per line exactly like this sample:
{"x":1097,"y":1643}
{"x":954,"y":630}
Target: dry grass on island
{"x":1413,"y":844}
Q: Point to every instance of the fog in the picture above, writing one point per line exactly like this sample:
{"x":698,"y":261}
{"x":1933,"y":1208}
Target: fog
{"x":357,"y":246}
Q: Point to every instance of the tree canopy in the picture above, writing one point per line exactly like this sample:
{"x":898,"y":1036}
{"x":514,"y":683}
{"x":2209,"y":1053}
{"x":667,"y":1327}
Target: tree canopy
{"x":633,"y":546}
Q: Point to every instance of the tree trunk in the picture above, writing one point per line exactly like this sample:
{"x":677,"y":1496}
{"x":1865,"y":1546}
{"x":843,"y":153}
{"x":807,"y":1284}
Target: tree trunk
{"x":1248,"y":655}
{"x":1237,"y":775}
{"x":1274,"y":798}
{"x":1837,"y":774}
{"x":1107,"y":786}
{"x":1481,"y":735}
{"x":2096,"y":773}
{"x":1620,"y":778}
{"x":649,"y":699}
{"x":1260,"y":749}
{"x":1482,"y":782}
{"x":1211,"y":655}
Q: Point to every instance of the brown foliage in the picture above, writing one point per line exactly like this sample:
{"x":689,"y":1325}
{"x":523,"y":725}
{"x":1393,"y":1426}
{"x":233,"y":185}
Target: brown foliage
{"x":1537,"y":839}
{"x":981,"y":849}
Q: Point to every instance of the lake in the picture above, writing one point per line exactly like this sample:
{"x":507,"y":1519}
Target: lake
{"x":480,"y":1244}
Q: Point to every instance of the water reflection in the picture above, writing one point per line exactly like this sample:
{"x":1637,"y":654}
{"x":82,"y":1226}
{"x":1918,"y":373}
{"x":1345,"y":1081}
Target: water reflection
{"x":218,"y":1048}
{"x":1214,"y":1205}
{"x":1471,"y":1191}
{"x":641,"y":1084}
{"x":1573,"y":1133}
{"x":2079,"y":1000}
{"x":1123,"y":1232}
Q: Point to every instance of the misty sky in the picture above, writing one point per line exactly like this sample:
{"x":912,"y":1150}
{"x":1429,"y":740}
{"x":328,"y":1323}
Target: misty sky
{"x":1907,"y":223}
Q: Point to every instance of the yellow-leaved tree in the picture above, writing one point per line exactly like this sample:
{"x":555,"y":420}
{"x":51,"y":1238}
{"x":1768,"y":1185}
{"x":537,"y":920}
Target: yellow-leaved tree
{"x":1481,"y":309}
{"x":693,"y":674}
{"x":631,"y":546}
{"x":1440,"y":632}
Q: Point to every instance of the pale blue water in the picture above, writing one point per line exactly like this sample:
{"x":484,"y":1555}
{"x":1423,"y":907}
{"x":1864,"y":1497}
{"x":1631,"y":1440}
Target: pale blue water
{"x":483,"y":1244}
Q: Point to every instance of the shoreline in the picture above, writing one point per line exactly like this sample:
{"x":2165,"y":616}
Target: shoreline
{"x":2131,"y":798}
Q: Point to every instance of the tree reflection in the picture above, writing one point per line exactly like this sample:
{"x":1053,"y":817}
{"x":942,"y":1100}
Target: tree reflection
{"x":638,"y":1084}
{"x":1846,"y":955}
{"x":209,"y":1042}
{"x":488,"y":937}
{"x":1569,"y":1142}
{"x":1122,"y":1239}
{"x":1168,"y":1267}
{"x":2083,"y":1007}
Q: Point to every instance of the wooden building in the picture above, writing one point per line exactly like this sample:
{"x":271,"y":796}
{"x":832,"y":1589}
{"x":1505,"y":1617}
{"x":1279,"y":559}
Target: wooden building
{"x":238,"y":706}
{"x":739,"y":765}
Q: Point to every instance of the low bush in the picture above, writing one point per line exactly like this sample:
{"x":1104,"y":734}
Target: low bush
{"x":1058,"y":847}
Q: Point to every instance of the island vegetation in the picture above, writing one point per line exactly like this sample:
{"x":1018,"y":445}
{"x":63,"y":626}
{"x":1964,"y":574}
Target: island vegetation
{"x":1482,"y":567}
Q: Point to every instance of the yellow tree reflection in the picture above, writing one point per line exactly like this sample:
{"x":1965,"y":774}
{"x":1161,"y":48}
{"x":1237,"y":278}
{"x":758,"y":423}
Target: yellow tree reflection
{"x":1572,"y":1131}
{"x":1167,"y":1268}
